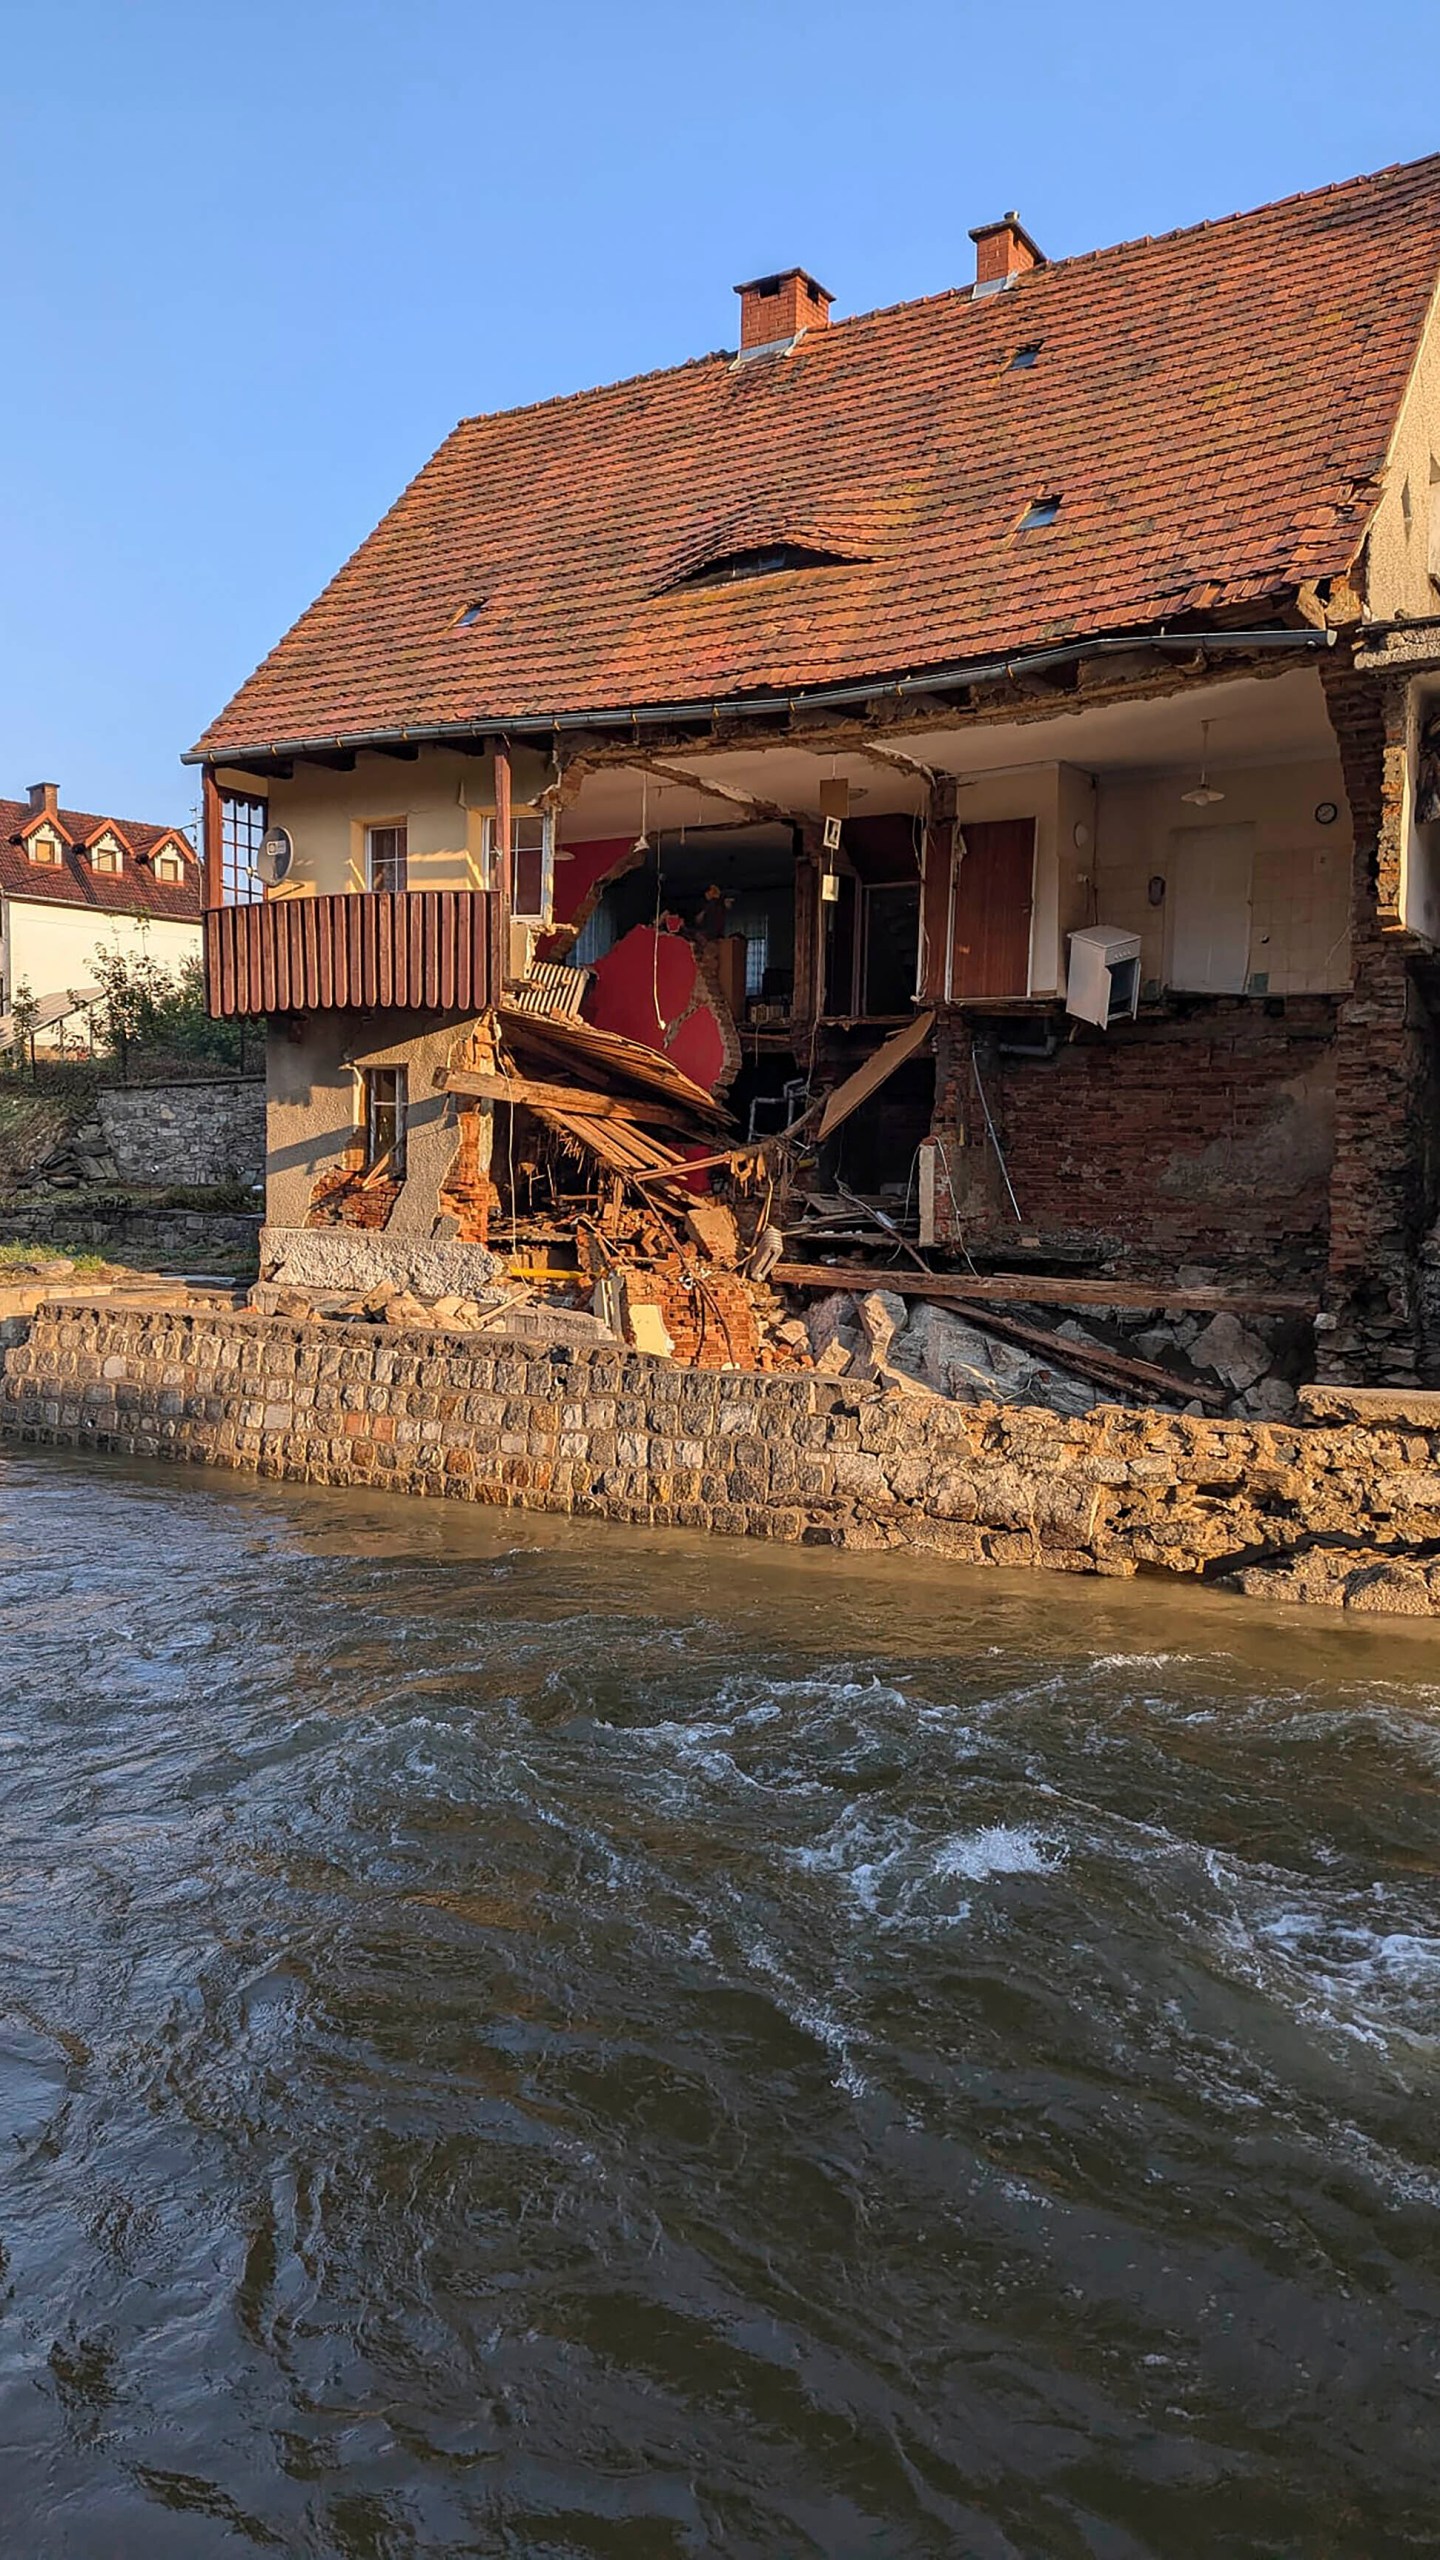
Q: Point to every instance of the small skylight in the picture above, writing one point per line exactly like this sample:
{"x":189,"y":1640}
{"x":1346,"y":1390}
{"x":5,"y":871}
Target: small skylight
{"x":465,"y":621}
{"x":1024,"y":357}
{"x":766,"y":562}
{"x":1041,"y":512}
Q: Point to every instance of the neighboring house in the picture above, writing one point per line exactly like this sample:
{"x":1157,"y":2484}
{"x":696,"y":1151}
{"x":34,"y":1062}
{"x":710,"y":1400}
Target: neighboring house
{"x":1055,"y":655}
{"x":71,"y":884}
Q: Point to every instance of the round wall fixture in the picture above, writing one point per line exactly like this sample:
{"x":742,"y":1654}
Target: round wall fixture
{"x":1326,"y":813}
{"x":1156,"y":890}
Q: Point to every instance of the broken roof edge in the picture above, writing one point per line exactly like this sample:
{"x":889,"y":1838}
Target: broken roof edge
{"x":1304,"y":637}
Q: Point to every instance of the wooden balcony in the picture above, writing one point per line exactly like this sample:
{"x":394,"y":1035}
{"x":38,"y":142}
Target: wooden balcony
{"x":423,"y":950}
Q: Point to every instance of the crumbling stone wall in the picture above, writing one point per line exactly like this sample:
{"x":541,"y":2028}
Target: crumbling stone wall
{"x":1347,"y":1511}
{"x":1206,"y":1138}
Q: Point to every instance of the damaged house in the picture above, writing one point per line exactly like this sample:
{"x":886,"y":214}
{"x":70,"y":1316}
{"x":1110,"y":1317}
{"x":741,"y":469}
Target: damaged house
{"x":945,"y":801}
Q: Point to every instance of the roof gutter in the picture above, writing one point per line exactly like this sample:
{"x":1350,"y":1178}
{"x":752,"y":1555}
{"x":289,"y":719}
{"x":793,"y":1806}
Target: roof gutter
{"x":1307,"y":641}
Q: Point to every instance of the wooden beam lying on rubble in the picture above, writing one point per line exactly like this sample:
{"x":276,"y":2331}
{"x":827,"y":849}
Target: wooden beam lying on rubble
{"x":1104,"y":1368}
{"x":1043,"y":1289}
{"x":572,"y":1098}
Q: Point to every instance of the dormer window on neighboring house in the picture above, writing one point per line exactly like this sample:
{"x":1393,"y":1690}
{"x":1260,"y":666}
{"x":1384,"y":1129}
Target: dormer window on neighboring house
{"x":167,"y":866}
{"x":106,"y":855}
{"x":45,"y":847}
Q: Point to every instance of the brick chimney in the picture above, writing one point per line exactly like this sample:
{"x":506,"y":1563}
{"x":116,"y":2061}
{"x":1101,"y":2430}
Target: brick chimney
{"x":774,"y":308}
{"x":46,"y":796}
{"x":1003,"y":251}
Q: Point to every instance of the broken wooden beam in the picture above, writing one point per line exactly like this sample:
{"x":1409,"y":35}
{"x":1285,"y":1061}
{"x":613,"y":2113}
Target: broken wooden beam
{"x":573,"y":1098}
{"x":1041,"y":1289}
{"x":1104,"y":1368}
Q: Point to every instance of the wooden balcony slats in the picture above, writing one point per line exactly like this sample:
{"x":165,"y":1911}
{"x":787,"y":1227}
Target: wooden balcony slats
{"x":418,"y":950}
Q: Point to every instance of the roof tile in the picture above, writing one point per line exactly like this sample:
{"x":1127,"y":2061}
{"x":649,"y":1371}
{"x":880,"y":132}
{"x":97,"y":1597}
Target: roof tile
{"x":1214,"y":406}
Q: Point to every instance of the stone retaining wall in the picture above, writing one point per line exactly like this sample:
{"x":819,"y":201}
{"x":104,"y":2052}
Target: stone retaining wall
{"x":192,"y":1238}
{"x":183,"y":1135}
{"x":1348,"y":1513}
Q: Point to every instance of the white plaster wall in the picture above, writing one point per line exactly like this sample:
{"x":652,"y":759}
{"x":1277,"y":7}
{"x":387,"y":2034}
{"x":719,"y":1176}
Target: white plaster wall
{"x":1300,"y":889}
{"x":313,"y":1110}
{"x":52,"y":948}
{"x":442,"y":798}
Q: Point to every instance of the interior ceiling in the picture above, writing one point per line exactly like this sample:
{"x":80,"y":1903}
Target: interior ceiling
{"x":1253,"y":720}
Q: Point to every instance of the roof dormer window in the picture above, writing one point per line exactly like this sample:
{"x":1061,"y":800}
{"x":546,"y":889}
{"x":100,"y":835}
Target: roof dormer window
{"x":45,"y":847}
{"x":107,"y":855}
{"x":168,"y":866}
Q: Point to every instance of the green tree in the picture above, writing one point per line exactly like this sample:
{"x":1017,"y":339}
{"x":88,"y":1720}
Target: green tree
{"x":24,"y":1015}
{"x":145,"y":1010}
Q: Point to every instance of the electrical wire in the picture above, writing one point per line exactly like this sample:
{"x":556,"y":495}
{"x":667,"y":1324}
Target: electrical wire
{"x":994,"y":1138}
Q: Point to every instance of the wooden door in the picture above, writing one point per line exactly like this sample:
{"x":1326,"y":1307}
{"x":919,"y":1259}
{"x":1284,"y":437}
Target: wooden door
{"x":994,"y":893}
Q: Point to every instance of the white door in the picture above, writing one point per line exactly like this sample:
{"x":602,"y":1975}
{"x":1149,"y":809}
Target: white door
{"x":1208,"y":899}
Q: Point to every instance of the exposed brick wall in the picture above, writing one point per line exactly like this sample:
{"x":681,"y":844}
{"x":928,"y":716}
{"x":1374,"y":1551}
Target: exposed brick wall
{"x":1204,"y":1140}
{"x":796,"y":1458}
{"x":1387,"y":1068}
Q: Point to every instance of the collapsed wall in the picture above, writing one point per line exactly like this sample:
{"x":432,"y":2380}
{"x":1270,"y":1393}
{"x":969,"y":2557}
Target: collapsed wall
{"x":1341,"y":1511}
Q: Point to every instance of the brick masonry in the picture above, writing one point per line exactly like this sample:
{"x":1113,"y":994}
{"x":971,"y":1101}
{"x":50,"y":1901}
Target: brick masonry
{"x":795,"y":1458}
{"x":1207,"y":1138}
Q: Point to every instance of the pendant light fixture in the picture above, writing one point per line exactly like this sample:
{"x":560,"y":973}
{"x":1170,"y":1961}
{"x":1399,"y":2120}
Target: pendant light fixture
{"x":1204,"y":794}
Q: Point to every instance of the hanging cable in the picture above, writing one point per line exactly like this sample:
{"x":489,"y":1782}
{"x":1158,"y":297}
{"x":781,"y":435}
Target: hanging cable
{"x":994,"y":1138}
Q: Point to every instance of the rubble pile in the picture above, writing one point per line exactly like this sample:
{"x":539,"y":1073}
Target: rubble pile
{"x":1214,"y":1362}
{"x":82,"y":1156}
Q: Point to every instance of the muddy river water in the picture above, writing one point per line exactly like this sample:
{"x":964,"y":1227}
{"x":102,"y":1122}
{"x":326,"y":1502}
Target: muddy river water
{"x":533,"y":2040}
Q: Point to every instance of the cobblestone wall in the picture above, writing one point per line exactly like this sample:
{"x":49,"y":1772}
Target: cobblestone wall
{"x":1348,"y":1513}
{"x":210,"y":1131}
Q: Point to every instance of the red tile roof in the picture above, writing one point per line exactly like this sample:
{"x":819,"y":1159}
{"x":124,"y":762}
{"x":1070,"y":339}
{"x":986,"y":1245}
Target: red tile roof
{"x":1212,"y":407}
{"x":72,"y":882}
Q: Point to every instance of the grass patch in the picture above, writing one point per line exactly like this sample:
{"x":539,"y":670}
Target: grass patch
{"x":20,"y":1257}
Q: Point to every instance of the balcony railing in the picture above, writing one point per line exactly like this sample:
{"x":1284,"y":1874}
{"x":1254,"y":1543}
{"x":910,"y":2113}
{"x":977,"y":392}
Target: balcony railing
{"x":426,"y":950}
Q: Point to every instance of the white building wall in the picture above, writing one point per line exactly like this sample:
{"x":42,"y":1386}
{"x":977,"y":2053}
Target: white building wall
{"x":52,"y":948}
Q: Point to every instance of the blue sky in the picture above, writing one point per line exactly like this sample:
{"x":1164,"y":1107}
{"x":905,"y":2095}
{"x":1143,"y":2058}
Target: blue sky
{"x":260,"y":257}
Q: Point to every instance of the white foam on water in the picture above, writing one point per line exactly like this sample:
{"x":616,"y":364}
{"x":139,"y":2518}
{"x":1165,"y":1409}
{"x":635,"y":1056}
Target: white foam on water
{"x":900,"y":1879}
{"x":1147,"y":1661}
{"x":998,"y":1849}
{"x":812,"y":2018}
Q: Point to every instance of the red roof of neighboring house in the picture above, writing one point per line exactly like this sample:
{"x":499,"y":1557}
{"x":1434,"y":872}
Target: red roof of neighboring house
{"x":72,"y":882}
{"x":1212,"y":408}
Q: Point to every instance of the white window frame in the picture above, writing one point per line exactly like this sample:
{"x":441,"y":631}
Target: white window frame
{"x":544,"y":819}
{"x":386,"y":827}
